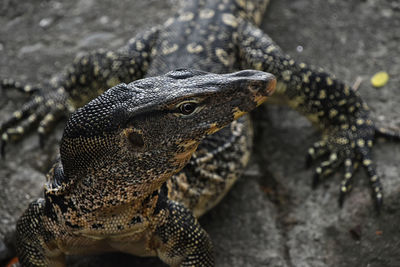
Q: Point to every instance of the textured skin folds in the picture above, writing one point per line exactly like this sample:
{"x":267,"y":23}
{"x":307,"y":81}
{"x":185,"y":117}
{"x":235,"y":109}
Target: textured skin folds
{"x":108,"y":191}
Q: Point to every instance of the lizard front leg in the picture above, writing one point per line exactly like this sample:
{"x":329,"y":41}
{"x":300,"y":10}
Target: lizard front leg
{"x":89,"y":76}
{"x":182,"y":241}
{"x":34,"y":241}
{"x":344,"y":118}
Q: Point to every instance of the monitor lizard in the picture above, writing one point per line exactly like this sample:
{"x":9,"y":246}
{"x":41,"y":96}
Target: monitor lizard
{"x":109,"y":190}
{"x":237,"y":44}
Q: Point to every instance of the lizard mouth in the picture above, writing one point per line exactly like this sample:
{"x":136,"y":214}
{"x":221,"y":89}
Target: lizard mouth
{"x":259,"y":84}
{"x":237,"y":113}
{"x":269,"y":90}
{"x":189,"y":148}
{"x":258,"y":98}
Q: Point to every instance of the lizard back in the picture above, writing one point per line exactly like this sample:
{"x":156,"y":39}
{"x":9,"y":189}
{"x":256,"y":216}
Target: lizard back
{"x":207,"y":40}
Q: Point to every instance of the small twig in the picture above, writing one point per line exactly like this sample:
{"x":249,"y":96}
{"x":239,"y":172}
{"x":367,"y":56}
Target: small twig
{"x":357,"y":83}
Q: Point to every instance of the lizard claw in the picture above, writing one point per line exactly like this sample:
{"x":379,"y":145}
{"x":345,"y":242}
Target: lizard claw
{"x":315,"y":181}
{"x":387,"y":133}
{"x":378,"y":205}
{"x":341,"y":199}
{"x":12,"y":84}
{"x":374,"y":178}
{"x":309,"y":161}
{"x":41,"y":140}
{"x":325,"y":169}
{"x":346,"y":185}
{"x":351,"y":146}
{"x":2,"y":149}
{"x":42,"y":109}
{"x":317,"y":150}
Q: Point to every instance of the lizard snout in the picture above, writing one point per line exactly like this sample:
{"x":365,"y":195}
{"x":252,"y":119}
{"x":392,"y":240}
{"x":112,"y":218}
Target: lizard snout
{"x":258,"y":82}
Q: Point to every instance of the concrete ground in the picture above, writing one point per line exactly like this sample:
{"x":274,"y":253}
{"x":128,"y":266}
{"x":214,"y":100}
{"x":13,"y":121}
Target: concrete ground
{"x":272,"y":217}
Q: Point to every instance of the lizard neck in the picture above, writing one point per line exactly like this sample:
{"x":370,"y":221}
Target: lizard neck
{"x":83,"y":196}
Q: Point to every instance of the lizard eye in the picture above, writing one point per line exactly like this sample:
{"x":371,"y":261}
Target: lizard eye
{"x":187,"y":108}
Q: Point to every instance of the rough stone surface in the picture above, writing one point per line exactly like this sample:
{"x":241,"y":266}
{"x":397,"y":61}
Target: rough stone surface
{"x":271,"y":217}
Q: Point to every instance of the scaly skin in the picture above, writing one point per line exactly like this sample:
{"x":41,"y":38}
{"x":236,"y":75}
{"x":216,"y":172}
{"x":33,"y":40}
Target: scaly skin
{"x":232,"y":42}
{"x":108,"y":191}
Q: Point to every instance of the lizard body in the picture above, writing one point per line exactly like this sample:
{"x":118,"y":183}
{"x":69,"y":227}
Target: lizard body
{"x":221,"y":37}
{"x":108,"y":190}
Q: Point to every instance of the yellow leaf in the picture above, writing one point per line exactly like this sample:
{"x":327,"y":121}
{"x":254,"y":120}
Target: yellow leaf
{"x":380,"y":79}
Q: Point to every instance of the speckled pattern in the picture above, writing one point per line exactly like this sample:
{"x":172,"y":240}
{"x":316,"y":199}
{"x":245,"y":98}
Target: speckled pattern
{"x":109,"y":191}
{"x":315,"y":78}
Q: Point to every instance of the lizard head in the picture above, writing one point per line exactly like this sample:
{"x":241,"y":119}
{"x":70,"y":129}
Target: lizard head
{"x":137,"y":135}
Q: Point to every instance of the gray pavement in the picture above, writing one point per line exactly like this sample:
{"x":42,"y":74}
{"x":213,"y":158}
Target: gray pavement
{"x":272,"y":217}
